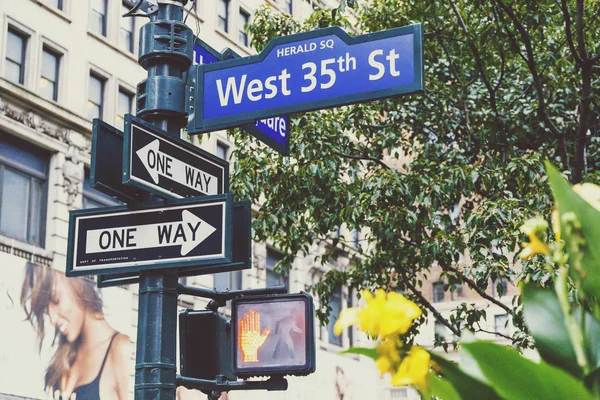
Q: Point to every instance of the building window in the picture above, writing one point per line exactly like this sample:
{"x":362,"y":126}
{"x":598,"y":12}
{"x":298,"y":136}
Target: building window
{"x":93,"y":198}
{"x":127,"y":29}
{"x":356,"y":238}
{"x":222,"y":151}
{"x":274,"y":277}
{"x":125,"y":106}
{"x":398,"y":393}
{"x":438,"y":292}
{"x":16,"y":47}
{"x":98,"y":16}
{"x":457,"y":292}
{"x":58,"y":4}
{"x":500,"y":288}
{"x":231,"y":280}
{"x":337,"y":232}
{"x":244,"y":20}
{"x":501,"y":324}
{"x":288,"y":6}
{"x":223,"y":15}
{"x":96,"y":96}
{"x":23,"y":177}
{"x":440,"y":331}
{"x":351,"y":328}
{"x":49,"y":75}
{"x":336,"y":307}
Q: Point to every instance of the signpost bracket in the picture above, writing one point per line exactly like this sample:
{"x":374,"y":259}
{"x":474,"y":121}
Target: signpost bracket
{"x":219,"y":298}
{"x":221,"y":384}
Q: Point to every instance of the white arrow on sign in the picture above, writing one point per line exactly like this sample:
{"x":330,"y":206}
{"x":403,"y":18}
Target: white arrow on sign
{"x":161,"y":164}
{"x":187,"y":233}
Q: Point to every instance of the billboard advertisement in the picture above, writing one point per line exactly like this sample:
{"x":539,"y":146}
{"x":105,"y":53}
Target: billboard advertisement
{"x":62,"y":338}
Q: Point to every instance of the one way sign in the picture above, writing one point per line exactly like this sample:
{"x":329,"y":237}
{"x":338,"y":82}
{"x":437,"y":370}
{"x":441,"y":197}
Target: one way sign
{"x":128,"y":239}
{"x":188,"y":233}
{"x":167,"y":166}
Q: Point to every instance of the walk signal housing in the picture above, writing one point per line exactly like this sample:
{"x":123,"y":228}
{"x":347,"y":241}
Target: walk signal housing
{"x":273,"y":335}
{"x":205,"y":345}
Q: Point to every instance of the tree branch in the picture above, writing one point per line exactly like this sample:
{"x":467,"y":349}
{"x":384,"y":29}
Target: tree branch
{"x":447,"y":53}
{"x":584,"y":101}
{"x":502,"y":68}
{"x":537,"y":82}
{"x":523,"y":93}
{"x":494,"y":333}
{"x":439,"y":35}
{"x":365,"y":158}
{"x":567,"y":16}
{"x":478,"y":61}
{"x":473,"y":285}
{"x":429,"y":306}
{"x":584,"y":121}
{"x":580,"y":36}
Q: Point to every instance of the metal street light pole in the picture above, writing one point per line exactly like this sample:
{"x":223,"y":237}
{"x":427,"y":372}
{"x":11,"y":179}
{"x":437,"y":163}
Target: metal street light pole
{"x":166,"y":49}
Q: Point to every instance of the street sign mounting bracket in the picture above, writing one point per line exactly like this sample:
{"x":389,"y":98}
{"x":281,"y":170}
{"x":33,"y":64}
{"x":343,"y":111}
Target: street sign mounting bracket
{"x":219,"y":298}
{"x":223,"y":385}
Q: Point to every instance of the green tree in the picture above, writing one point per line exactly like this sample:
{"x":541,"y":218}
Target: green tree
{"x":507,"y":85}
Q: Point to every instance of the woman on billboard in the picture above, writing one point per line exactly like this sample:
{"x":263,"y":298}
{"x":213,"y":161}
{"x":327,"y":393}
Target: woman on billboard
{"x":91,"y":361}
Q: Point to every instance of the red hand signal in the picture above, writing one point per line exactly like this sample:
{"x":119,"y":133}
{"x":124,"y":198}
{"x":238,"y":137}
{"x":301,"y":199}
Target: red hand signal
{"x":249,"y":337}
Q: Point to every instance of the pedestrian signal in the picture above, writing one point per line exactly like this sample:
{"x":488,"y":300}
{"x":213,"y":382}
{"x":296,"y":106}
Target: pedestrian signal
{"x":273,"y":335}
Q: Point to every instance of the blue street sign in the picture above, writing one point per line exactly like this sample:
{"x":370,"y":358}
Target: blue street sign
{"x":205,"y":54}
{"x":308,"y":71}
{"x":272,"y":131}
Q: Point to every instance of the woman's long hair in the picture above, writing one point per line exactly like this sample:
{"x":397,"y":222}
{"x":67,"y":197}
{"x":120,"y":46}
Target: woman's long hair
{"x":36,"y":295}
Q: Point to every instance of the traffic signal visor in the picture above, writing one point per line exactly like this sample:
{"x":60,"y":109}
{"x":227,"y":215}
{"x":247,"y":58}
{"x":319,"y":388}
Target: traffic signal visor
{"x":273,"y":335}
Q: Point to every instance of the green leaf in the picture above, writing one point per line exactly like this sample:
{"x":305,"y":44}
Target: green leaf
{"x":585,"y":270}
{"x":363,"y":351}
{"x":546,"y":322}
{"x":591,"y":338}
{"x":442,"y":388}
{"x":464,"y":384}
{"x":514,"y":377}
{"x":468,"y":364}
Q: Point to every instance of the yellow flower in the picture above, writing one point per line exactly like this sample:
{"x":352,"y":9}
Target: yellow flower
{"x":399,"y":314}
{"x":533,"y":247}
{"x":371,"y":315}
{"x":384,"y":365}
{"x":413,"y":369}
{"x":532,"y":228}
{"x":389,"y":356}
{"x":347,"y":317}
{"x":383,"y":315}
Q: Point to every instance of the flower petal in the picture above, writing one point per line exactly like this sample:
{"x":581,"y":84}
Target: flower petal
{"x":399,"y":315}
{"x":384,"y":365}
{"x":533,"y":247}
{"x":347,"y":317}
{"x":413,"y":369}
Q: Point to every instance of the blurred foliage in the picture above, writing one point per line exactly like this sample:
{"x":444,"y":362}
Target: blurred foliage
{"x":564,"y":322}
